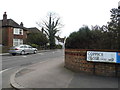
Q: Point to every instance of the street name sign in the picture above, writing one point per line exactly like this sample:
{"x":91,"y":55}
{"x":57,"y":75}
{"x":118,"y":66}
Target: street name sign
{"x":99,"y":56}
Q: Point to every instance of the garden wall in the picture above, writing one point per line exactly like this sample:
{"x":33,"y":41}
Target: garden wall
{"x":75,"y":60}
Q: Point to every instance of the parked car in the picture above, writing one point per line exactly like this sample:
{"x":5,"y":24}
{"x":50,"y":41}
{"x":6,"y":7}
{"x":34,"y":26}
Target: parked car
{"x":22,"y":49}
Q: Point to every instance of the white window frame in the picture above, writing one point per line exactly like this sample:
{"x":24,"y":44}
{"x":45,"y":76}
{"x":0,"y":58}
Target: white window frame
{"x":17,"y":42}
{"x":18,"y":31}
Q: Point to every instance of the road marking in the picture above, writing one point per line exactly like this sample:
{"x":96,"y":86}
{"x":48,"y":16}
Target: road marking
{"x":24,"y":56}
{"x":4,"y":70}
{"x":41,"y":53}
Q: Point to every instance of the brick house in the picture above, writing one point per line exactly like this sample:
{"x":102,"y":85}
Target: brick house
{"x":33,"y":30}
{"x":12,"y":33}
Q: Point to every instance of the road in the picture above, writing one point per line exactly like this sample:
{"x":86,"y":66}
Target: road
{"x":9,"y":61}
{"x":12,"y":63}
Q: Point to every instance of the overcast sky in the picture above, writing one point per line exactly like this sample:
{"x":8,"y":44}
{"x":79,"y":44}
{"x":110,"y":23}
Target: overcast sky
{"x":74,"y":13}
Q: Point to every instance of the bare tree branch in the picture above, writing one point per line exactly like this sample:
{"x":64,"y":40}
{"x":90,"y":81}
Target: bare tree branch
{"x":51,"y":27}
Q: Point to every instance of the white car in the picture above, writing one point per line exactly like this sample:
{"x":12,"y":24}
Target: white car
{"x":22,"y":49}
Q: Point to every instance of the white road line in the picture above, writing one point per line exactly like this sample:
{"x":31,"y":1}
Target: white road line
{"x":4,"y":70}
{"x":24,"y":56}
{"x":41,"y":53}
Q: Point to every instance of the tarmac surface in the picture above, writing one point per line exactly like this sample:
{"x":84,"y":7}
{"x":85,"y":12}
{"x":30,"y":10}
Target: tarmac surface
{"x":53,"y":74}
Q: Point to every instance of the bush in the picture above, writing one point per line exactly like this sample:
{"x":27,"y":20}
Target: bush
{"x":80,"y":39}
{"x":34,"y":45}
{"x":95,"y":38}
{"x":37,"y":38}
{"x":58,"y":46}
{"x":5,"y":49}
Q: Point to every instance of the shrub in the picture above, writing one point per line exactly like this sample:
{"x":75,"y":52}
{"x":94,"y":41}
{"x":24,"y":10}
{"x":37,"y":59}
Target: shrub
{"x":95,"y":38}
{"x":58,"y":46}
{"x":34,"y":45}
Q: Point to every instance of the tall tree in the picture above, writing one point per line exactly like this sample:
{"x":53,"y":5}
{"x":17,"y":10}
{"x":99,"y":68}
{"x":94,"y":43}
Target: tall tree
{"x":51,"y":27}
{"x":80,"y":39}
{"x":114,"y":28}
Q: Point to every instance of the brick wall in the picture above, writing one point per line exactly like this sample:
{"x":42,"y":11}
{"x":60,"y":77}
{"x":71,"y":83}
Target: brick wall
{"x":10,"y":36}
{"x":4,"y":36}
{"x":75,"y":60}
{"x":7,"y":38}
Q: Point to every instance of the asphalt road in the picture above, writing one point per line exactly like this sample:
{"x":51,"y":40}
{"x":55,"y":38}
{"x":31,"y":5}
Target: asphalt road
{"x":9,"y":61}
{"x":12,"y":63}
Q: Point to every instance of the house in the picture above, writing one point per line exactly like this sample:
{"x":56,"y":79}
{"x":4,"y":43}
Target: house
{"x":60,"y":41}
{"x":33,"y":30}
{"x":12,"y":33}
{"x":31,"y":35}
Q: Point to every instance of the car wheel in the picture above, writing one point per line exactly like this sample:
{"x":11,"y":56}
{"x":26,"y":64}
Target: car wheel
{"x":13,"y":54}
{"x":22,"y":52}
{"x":35,"y":52}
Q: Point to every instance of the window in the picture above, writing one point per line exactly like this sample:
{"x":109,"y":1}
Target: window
{"x":21,"y":32}
{"x":21,"y":41}
{"x":17,"y":42}
{"x":25,"y":46}
{"x":18,"y":31}
{"x":29,"y":47}
{"x":22,"y":47}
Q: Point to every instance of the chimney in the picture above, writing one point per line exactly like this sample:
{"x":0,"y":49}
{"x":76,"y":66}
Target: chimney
{"x":42,"y":29}
{"x":4,"y":18}
{"x":21,"y":24}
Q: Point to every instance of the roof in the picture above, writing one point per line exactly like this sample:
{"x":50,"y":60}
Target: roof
{"x":60,"y":39}
{"x":12,"y":23}
{"x":34,"y":30}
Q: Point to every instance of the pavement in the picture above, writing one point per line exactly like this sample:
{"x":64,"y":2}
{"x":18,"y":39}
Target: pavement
{"x":1,"y":54}
{"x":52,"y":74}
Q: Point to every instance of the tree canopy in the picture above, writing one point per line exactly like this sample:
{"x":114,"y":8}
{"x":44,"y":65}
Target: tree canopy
{"x":51,"y":27}
{"x":105,"y":37}
{"x":37,"y":38}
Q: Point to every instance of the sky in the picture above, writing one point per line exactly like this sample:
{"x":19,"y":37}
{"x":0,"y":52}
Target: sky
{"x":73,"y":13}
